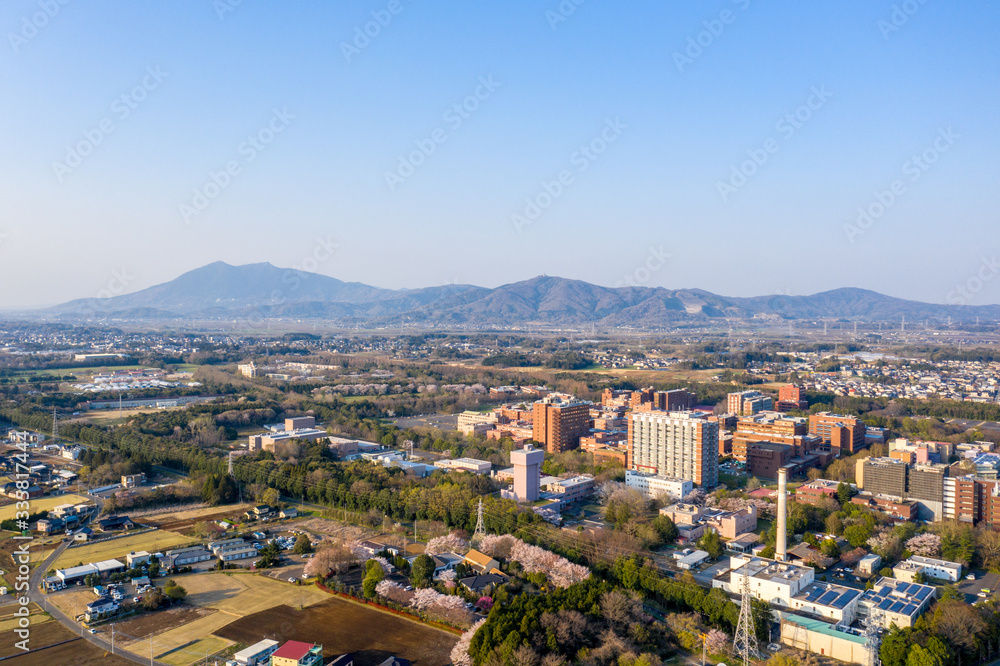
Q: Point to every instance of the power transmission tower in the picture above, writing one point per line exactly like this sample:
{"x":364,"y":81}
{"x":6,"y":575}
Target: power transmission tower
{"x":873,"y":637}
{"x":55,"y":424}
{"x":745,"y":642}
{"x":480,"y":527}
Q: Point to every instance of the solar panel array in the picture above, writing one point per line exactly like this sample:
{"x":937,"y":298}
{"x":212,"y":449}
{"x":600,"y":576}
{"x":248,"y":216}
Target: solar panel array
{"x":834,"y":597}
{"x":898,"y":597}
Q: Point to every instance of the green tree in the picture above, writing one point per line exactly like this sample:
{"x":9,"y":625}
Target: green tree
{"x":270,"y":496}
{"x":844,"y":493}
{"x":302,"y":545}
{"x":920,"y":656}
{"x":666,"y":529}
{"x":173,"y":591}
{"x":153,"y":599}
{"x":834,"y":525}
{"x":895,"y":647}
{"x":711,"y":543}
{"x":857,"y":535}
{"x":373,"y":576}
{"x":423,"y":570}
{"x":830,"y":548}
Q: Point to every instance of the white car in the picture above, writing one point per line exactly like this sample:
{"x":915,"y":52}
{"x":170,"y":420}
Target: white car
{"x":971,"y":576}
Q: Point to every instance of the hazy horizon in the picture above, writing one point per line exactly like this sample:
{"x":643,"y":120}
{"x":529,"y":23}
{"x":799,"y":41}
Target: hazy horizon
{"x":725,"y":146}
{"x":118,"y":276}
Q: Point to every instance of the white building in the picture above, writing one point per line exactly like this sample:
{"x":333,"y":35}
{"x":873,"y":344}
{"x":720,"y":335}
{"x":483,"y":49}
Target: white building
{"x":869,"y":563}
{"x":258,"y":654}
{"x":898,"y":602}
{"x":466,"y":465}
{"x":791,"y":588}
{"x":527,"y":472}
{"x":653,"y":485}
{"x":770,"y":581}
{"x":929,"y":567}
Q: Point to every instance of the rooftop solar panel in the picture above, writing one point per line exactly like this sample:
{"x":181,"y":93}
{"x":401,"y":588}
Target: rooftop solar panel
{"x":828,"y":597}
{"x":922,"y":593}
{"x":884,"y":604}
{"x":897,"y":607}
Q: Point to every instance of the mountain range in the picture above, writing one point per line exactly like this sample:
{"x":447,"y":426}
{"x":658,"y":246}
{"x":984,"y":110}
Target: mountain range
{"x":220,"y":291}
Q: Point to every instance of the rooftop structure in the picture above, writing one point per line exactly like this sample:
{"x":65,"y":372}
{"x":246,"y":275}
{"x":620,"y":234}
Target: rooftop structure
{"x":897,"y":601}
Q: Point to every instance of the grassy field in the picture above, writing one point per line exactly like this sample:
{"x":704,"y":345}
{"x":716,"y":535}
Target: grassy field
{"x":42,"y":504}
{"x":243,"y":594}
{"x":197,"y":650}
{"x":232,"y":597}
{"x":157,"y":540}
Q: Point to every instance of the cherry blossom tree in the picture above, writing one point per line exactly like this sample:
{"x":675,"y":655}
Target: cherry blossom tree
{"x":928,"y":545}
{"x":332,"y":557}
{"x":560,"y":571}
{"x":449,"y":543}
{"x":384,"y":563}
{"x":394,"y":592}
{"x":718,"y":642}
{"x":852,"y":557}
{"x":497,"y":545}
{"x":460,"y":653}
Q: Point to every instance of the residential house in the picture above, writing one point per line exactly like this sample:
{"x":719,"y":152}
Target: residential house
{"x":100,"y":608}
{"x":135,"y":559}
{"x":297,"y":653}
{"x":480,"y":562}
{"x":483,"y":583}
{"x":115,"y":524}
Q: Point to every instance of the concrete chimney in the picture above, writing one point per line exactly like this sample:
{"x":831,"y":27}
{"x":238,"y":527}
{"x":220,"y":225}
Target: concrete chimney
{"x":780,"y":552}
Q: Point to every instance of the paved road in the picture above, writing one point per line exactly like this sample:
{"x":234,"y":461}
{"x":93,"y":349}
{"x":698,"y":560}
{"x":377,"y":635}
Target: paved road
{"x":35,"y":594}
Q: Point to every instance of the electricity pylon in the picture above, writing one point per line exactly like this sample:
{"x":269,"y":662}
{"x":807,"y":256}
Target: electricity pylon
{"x":745,"y":642}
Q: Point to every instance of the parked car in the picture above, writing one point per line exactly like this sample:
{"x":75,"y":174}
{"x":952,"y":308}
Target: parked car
{"x":971,"y":576}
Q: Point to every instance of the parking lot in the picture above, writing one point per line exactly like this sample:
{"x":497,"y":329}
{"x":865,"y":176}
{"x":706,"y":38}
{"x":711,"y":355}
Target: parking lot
{"x":973,"y":588}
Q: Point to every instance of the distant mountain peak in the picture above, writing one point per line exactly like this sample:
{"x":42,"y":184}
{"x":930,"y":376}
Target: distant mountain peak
{"x":220,"y":290}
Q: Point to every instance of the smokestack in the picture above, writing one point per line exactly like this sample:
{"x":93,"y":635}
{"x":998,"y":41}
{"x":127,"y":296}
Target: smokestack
{"x":779,"y":546}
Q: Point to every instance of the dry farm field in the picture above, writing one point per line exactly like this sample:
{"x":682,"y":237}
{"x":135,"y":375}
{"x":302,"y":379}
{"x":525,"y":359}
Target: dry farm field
{"x":221,"y":599}
{"x":154,"y":541}
{"x":42,"y":504}
{"x":342,"y":626}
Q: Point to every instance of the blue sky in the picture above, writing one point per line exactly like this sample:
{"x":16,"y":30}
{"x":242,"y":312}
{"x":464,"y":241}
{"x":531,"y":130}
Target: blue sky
{"x":115,"y":116}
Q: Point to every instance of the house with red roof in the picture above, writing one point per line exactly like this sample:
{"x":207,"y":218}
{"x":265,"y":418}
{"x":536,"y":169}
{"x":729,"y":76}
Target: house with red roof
{"x":297,"y":653}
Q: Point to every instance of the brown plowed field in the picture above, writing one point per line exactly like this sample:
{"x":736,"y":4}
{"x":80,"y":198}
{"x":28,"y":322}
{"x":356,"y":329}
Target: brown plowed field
{"x":341,"y":626}
{"x":77,"y":652}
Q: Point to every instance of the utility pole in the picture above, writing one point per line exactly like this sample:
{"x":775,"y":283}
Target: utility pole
{"x":704,"y":648}
{"x":112,"y":638}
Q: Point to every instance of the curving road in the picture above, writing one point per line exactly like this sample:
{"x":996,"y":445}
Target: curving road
{"x":35,"y":594}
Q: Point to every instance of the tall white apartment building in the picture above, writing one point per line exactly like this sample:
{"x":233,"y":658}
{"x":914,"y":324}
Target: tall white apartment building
{"x":680,"y":445}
